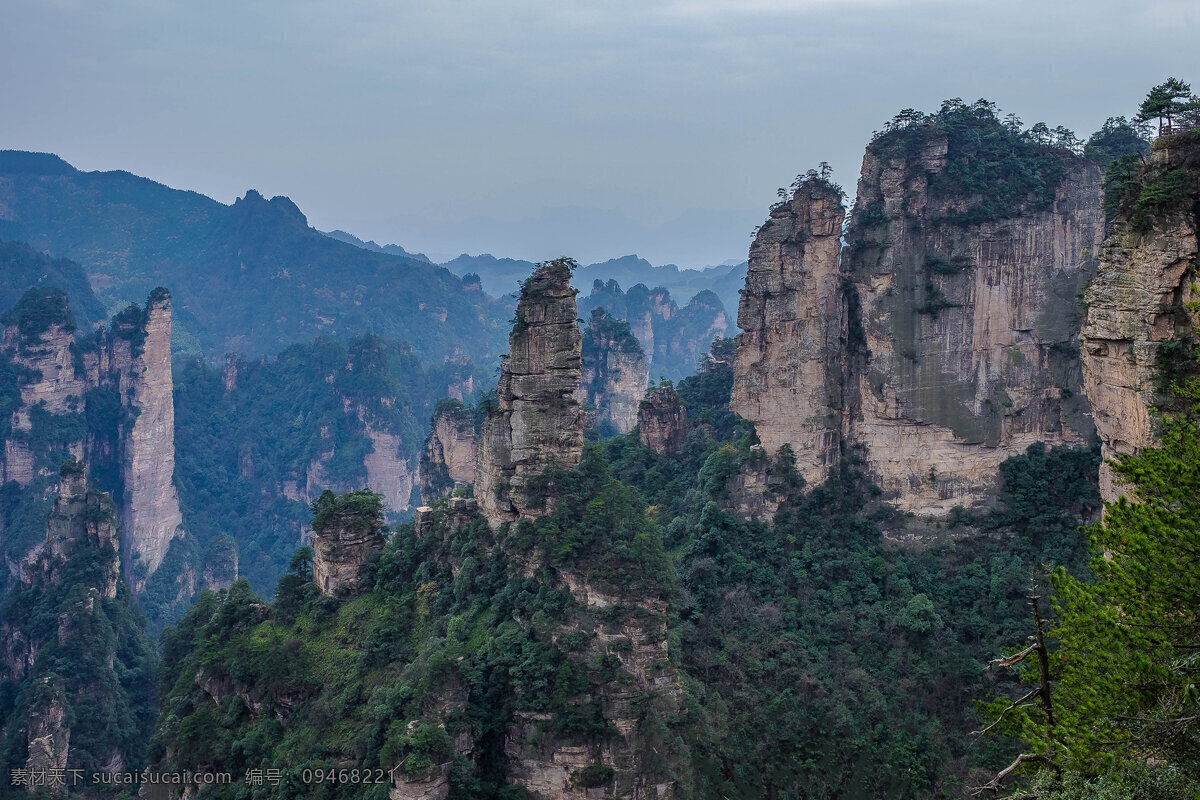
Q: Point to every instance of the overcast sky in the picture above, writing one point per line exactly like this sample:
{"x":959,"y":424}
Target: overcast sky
{"x":535,"y":128}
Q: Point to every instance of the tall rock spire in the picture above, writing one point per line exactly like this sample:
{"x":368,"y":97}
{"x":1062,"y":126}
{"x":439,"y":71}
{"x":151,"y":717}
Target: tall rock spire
{"x":787,"y":376}
{"x":141,"y":354}
{"x":538,"y":419}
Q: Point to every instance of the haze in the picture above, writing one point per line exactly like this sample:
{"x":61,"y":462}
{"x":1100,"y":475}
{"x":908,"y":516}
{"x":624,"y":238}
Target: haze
{"x":534,"y":128}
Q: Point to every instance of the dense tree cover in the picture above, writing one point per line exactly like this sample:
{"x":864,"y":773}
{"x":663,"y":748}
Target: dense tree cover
{"x":245,"y":456}
{"x":23,"y":268}
{"x":1003,"y":168}
{"x":818,"y":657}
{"x":251,"y":277}
{"x":445,"y":619}
{"x":91,"y":653}
{"x":1117,"y":137}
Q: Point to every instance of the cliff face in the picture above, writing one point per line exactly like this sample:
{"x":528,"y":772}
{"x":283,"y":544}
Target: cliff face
{"x":150,"y":516}
{"x":538,"y":419}
{"x":344,"y":540}
{"x":1143,"y":296}
{"x":95,"y":655}
{"x":787,"y":375}
{"x":662,"y":421}
{"x":106,"y":397}
{"x":614,"y":375}
{"x":451,"y":453}
{"x":971,"y":326}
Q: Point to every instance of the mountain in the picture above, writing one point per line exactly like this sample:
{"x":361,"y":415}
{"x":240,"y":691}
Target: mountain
{"x":23,"y":268}
{"x":251,"y":278}
{"x":390,"y":249}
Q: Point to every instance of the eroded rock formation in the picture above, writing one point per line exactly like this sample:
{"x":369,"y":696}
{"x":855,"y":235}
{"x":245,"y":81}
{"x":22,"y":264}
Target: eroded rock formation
{"x":150,"y":515}
{"x":344,"y":538}
{"x":123,"y":376}
{"x":538,"y":420}
{"x":662,"y":421}
{"x":82,"y":519}
{"x":615,"y":375}
{"x":1143,"y":296}
{"x":788,"y":372}
{"x":451,"y":453}
{"x":971,"y":326}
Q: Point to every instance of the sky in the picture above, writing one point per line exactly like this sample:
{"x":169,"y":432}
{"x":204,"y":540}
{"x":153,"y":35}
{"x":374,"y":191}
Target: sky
{"x":538,"y":128}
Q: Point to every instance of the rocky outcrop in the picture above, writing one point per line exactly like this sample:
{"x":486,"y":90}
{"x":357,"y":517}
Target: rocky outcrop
{"x":615,"y":374}
{"x":790,"y":357}
{"x":82,"y":519}
{"x":633,"y":633}
{"x":451,"y":453}
{"x":971,"y":326}
{"x":344,"y":539}
{"x":538,"y":420}
{"x":1143,"y":296}
{"x":662,"y":421}
{"x":150,"y":516}
{"x":48,"y":734}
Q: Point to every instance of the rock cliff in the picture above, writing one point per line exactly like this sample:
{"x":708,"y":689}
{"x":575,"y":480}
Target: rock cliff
{"x":970,"y":319}
{"x":790,"y":358}
{"x":615,"y":374}
{"x":538,"y":419}
{"x":662,"y":421}
{"x":945,"y":338}
{"x":82,"y":520}
{"x":107,"y":397}
{"x":141,"y":358}
{"x":347,"y":532}
{"x":1142,"y":298}
{"x":451,"y":452}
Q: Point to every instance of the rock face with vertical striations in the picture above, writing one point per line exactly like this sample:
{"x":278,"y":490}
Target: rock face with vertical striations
{"x":112,"y":391}
{"x":969,"y":317}
{"x":451,"y":452}
{"x":787,"y":375}
{"x":82,"y":520}
{"x":662,"y":421}
{"x":1143,"y":296}
{"x":614,"y":375}
{"x":150,"y":516}
{"x":538,"y":420}
{"x":944,"y":338}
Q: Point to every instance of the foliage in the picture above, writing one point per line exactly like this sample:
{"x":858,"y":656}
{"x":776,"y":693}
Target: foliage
{"x":89,"y":649}
{"x":1116,"y":138}
{"x":1169,"y":101}
{"x":993,"y":165}
{"x":357,"y":511}
{"x":39,"y":309}
{"x":23,"y":268}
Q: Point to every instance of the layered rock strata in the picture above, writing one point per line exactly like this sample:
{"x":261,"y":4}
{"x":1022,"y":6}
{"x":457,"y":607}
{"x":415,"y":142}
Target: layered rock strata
{"x":451,"y":452}
{"x":615,"y":373}
{"x":1143,"y":296}
{"x":662,"y":421}
{"x":788,"y":371}
{"x":538,"y":420}
{"x":341,"y":546}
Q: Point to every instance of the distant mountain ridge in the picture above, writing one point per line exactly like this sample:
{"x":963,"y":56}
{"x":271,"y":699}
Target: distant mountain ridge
{"x":252,"y":277}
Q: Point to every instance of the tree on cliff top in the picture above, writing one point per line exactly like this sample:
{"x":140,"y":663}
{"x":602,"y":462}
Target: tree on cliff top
{"x":361,"y":510}
{"x":1168,"y":101}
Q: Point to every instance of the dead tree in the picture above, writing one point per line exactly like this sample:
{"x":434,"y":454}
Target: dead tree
{"x":1039,"y":696}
